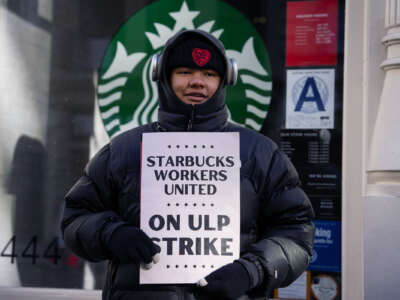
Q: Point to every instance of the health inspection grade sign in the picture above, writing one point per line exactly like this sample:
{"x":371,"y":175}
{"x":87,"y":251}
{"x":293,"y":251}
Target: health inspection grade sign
{"x":190,"y":203}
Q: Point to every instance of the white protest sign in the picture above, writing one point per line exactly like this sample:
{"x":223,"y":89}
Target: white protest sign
{"x":190,"y":203}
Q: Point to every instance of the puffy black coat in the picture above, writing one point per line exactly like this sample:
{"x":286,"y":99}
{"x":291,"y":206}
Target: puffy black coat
{"x":276,"y":229}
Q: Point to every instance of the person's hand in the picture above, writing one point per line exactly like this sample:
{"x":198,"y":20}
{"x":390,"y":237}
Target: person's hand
{"x":228,"y":282}
{"x":131,"y":244}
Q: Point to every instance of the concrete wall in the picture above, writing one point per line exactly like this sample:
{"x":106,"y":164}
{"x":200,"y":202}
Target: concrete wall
{"x":371,"y":185}
{"x":45,"y":103}
{"x":24,"y":98}
{"x":382,"y":195}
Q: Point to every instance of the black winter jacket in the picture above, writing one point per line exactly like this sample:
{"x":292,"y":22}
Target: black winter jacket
{"x":276,"y":229}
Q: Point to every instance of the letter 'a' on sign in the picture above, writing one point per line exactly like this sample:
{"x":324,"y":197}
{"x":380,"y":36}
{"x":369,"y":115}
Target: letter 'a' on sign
{"x":310,"y":93}
{"x":190,"y":203}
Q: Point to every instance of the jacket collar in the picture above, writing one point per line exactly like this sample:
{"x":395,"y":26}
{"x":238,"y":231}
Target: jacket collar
{"x":215,"y":121}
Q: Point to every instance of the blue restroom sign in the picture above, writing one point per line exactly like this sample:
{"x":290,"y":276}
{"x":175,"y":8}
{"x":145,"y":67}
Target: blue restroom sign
{"x":327,"y":247}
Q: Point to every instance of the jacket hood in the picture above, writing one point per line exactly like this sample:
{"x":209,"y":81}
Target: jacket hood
{"x":175,"y":115}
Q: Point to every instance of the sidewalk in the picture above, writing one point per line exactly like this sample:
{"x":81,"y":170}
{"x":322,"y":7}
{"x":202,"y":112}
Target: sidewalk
{"x":47,"y":294}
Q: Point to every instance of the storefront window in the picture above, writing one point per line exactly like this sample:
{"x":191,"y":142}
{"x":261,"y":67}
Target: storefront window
{"x":75,"y":74}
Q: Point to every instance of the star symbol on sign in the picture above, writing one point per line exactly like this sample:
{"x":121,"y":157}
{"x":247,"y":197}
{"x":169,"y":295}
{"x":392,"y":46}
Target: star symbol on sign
{"x":184,"y":17}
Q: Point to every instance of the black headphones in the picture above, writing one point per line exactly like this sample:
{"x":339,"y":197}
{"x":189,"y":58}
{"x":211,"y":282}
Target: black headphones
{"x":231,"y":72}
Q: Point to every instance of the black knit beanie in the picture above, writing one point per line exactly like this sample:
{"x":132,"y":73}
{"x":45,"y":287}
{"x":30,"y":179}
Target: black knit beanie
{"x":195,"y":53}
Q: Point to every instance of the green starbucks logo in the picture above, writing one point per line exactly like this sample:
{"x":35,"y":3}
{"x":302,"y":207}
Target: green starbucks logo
{"x":127,"y":97}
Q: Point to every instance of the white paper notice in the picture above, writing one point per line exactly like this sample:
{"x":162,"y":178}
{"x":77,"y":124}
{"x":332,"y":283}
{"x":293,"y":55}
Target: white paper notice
{"x":310,"y":96}
{"x":296,"y":290}
{"x":190,"y":203}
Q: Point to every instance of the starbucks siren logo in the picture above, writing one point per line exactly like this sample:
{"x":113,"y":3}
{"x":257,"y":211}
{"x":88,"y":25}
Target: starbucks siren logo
{"x":127,"y":96}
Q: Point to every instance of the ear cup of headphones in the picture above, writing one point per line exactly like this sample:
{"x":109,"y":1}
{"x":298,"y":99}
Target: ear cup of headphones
{"x":232,"y":72}
{"x":155,"y":67}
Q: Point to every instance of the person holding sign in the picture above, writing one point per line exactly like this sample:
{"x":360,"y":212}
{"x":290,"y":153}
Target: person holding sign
{"x":102,"y":210}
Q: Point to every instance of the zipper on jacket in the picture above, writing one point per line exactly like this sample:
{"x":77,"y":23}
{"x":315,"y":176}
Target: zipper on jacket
{"x":160,"y":128}
{"x":190,"y":123}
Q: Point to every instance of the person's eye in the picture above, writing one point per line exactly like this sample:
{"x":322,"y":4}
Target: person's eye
{"x":210,"y":74}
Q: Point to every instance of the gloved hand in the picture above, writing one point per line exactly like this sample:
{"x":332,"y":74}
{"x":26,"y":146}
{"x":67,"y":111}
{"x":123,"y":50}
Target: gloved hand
{"x":131,"y":244}
{"x":228,"y":282}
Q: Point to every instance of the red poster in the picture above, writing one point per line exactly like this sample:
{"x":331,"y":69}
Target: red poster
{"x":311,"y":36}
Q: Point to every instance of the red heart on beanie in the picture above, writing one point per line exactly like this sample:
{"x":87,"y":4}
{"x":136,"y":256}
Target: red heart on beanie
{"x":201,"y":56}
